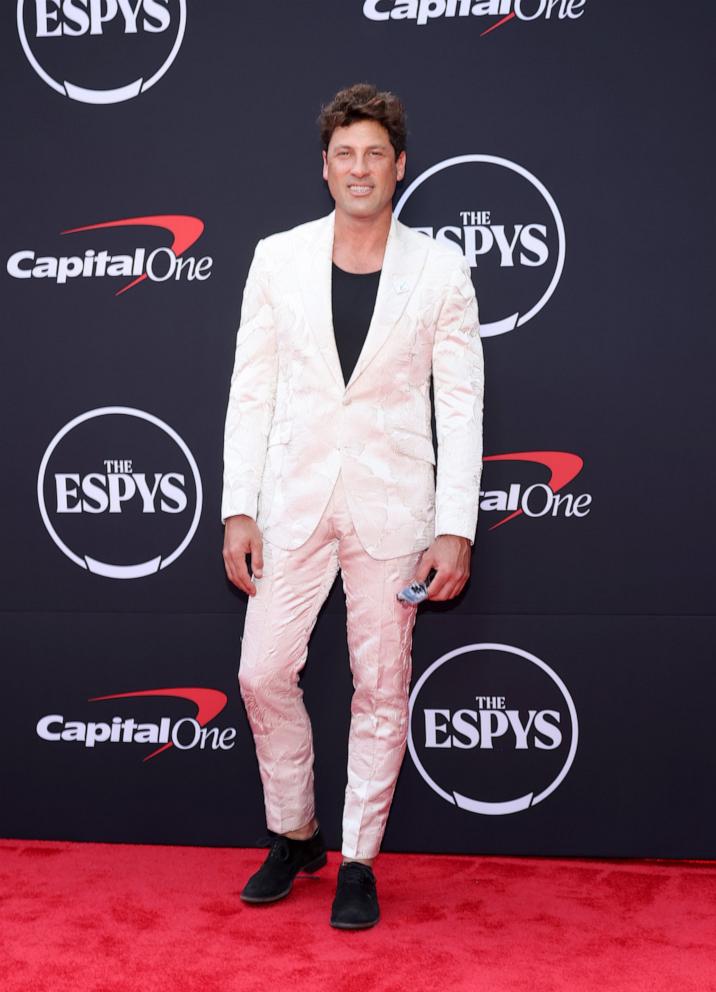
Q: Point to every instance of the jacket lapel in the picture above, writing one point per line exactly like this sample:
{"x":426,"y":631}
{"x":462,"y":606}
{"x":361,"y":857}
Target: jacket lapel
{"x":402,"y":266}
{"x":314,"y":271}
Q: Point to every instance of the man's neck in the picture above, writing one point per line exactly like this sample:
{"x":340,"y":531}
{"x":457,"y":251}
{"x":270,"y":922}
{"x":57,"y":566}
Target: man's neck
{"x":359,"y":242}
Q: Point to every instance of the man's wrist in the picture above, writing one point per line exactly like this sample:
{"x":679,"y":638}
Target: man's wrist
{"x":462,"y":537}
{"x":238,"y":516}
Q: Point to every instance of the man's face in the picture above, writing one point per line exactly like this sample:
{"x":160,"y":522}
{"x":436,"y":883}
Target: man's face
{"x":361,"y":168}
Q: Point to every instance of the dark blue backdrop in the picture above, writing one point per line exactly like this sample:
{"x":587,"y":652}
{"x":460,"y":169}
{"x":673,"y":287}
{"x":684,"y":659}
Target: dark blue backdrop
{"x":590,"y":174}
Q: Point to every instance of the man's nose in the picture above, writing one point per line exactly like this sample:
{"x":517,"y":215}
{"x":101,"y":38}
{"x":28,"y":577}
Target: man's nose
{"x":360,"y":166}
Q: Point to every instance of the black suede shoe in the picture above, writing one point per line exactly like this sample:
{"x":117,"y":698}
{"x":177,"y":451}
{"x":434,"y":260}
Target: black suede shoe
{"x":355,"y":906}
{"x":287,"y":857}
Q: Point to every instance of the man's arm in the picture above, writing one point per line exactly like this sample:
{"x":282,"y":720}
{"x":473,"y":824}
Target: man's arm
{"x":458,"y":388}
{"x":248,"y":420}
{"x":251,"y":397}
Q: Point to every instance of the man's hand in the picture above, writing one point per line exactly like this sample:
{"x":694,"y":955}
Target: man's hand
{"x":241,"y":537}
{"x":449,"y":555}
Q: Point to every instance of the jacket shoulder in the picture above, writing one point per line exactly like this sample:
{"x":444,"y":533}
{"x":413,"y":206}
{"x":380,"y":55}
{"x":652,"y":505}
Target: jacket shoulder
{"x":442,"y":256}
{"x":293,"y":238}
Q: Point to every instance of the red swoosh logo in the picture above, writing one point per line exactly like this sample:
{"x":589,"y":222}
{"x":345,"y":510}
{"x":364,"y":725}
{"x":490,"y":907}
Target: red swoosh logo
{"x":209,"y":703}
{"x":499,"y":24}
{"x":563,"y":467}
{"x":184,"y":229}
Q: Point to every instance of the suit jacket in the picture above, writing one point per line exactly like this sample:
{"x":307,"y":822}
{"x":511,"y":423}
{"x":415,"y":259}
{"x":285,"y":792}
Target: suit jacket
{"x":292,"y":422}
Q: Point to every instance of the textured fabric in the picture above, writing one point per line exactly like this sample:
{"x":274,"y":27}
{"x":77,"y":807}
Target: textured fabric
{"x":279,"y":621}
{"x":292,"y":424}
{"x":352,"y":303}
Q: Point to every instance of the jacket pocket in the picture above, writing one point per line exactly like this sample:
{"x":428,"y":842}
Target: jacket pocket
{"x":412,"y":444}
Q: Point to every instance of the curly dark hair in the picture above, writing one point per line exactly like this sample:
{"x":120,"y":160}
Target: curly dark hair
{"x":361,"y":102}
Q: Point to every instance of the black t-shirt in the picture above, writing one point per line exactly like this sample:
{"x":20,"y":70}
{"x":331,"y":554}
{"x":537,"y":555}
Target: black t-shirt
{"x":353,"y":297}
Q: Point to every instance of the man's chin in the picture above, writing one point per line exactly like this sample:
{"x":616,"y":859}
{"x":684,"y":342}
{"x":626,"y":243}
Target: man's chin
{"x":363,"y":208}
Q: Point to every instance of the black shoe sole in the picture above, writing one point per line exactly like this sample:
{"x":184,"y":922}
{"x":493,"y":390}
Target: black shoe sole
{"x":354,"y":926}
{"x":307,"y":869}
{"x":261,"y":899}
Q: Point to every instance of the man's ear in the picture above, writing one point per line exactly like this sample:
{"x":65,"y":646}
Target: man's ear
{"x":400,"y":166}
{"x":325,"y":165}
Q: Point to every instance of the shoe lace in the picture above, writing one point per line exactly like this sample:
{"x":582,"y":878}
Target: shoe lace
{"x":279,"y":849}
{"x":355,"y":873}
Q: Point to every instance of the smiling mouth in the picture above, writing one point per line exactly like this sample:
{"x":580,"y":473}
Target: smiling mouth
{"x":359,"y":190}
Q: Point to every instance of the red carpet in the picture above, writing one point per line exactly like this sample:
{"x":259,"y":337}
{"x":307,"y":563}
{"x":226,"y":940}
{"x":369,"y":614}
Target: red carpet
{"x":126,"y":918}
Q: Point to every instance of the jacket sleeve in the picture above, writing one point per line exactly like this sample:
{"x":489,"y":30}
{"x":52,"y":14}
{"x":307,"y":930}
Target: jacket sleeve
{"x":252,"y":395}
{"x":458,"y":389}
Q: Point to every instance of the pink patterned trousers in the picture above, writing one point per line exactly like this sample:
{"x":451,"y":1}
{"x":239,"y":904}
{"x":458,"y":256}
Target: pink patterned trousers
{"x":279,"y":622}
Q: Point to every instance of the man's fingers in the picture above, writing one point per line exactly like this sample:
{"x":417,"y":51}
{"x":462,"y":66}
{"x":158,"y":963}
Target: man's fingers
{"x":243,"y":576}
{"x":451,"y":586}
{"x":421,"y":573}
{"x":231,"y":572}
{"x":257,"y":557}
{"x":438,"y":584}
{"x":237,"y":572}
{"x":241,"y":538}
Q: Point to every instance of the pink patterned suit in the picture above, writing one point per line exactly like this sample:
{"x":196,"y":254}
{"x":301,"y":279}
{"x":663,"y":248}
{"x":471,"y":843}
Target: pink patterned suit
{"x":342,"y":476}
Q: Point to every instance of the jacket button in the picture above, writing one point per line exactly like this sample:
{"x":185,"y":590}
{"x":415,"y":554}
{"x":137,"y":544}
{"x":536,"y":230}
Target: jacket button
{"x":346,"y":400}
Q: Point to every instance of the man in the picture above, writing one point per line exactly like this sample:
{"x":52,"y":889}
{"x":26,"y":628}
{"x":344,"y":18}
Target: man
{"x":329,"y":463}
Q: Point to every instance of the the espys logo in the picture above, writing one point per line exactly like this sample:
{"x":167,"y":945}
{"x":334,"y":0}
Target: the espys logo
{"x":119,"y":492}
{"x":422,"y":11}
{"x":493,"y":729}
{"x":538,"y":499}
{"x":160,"y":264}
{"x":101,"y":51}
{"x":504,"y":221}
{"x":184,"y":733}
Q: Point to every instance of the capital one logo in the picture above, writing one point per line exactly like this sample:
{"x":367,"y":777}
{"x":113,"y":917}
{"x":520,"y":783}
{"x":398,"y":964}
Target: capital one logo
{"x":119,"y":492}
{"x":539,"y":498}
{"x":505,"y":222}
{"x":423,"y":11}
{"x":101,"y":51}
{"x":160,"y":264}
{"x":185,"y":733}
{"x":493,"y":729}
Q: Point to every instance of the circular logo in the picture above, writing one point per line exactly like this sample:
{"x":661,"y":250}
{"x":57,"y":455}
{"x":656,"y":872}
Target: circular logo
{"x":505,"y":222}
{"x":101,"y":52}
{"x":119,"y":492}
{"x":493,"y":729}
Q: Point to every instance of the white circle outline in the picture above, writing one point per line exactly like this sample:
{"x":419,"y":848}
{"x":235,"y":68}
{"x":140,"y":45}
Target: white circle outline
{"x":541,"y":188}
{"x":130,"y":412}
{"x":509,"y":649}
{"x":121,"y":93}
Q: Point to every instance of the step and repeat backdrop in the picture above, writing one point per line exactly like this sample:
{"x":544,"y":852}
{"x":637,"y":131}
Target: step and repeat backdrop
{"x":564,"y":704}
